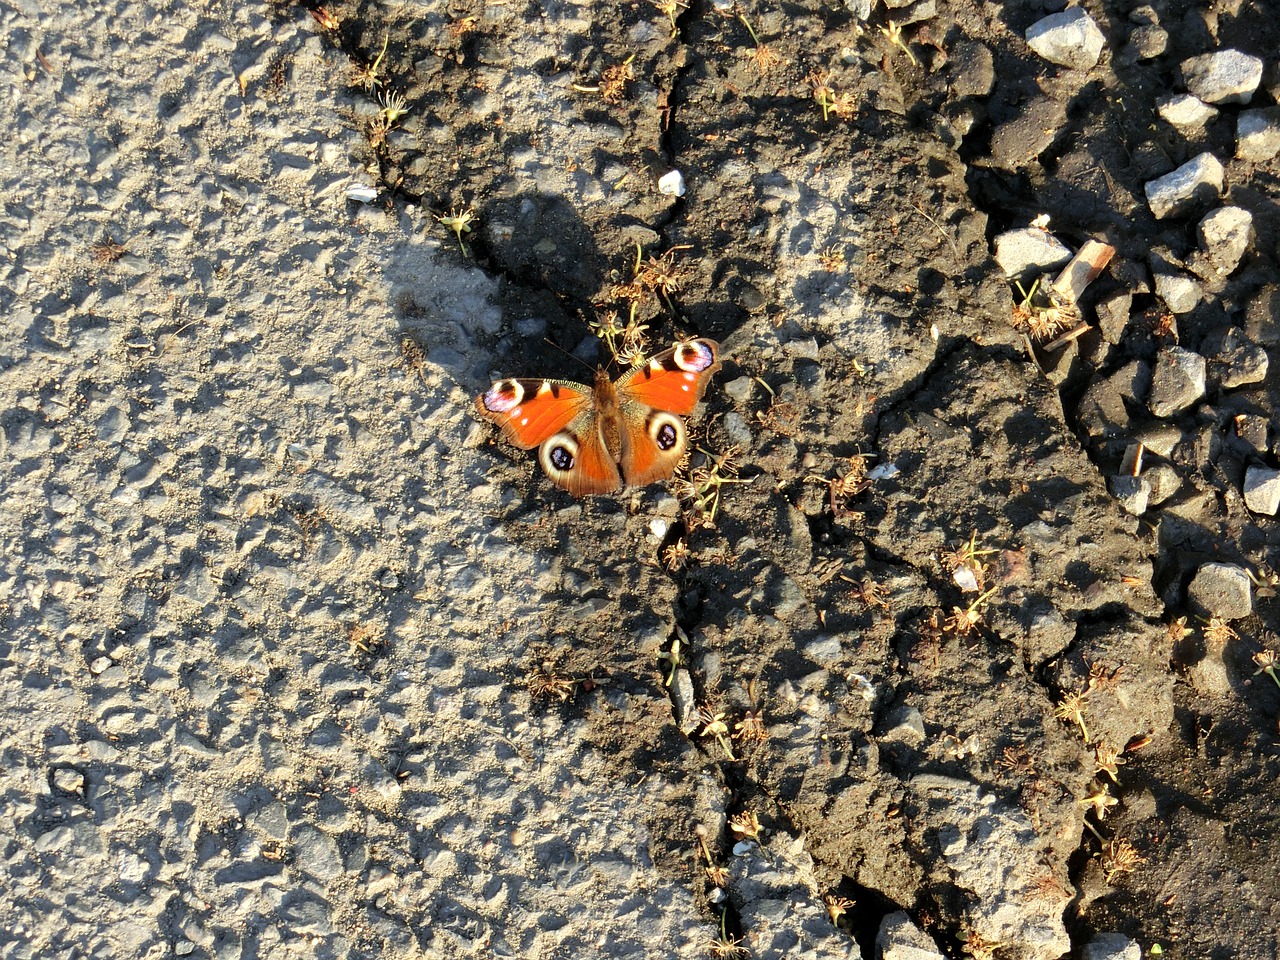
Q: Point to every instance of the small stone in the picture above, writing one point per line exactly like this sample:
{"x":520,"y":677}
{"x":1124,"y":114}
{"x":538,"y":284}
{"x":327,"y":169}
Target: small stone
{"x":900,"y":939}
{"x":1111,"y":946}
{"x":1197,"y":182}
{"x":1029,"y":250}
{"x":1069,"y":38}
{"x":1187,"y":114}
{"x":740,"y":390}
{"x":1252,"y":429}
{"x":1221,"y":590}
{"x":671,"y":184}
{"x":317,"y":852}
{"x":1177,"y":382}
{"x":1133,"y":493}
{"x":1104,"y":408}
{"x":1224,"y":237}
{"x":1258,"y":134}
{"x":1113,"y":315}
{"x":1148,"y":42}
{"x":184,"y":948}
{"x":1164,"y":482}
{"x":1180,"y":293}
{"x":1236,"y":360}
{"x":1159,"y":438}
{"x":68,"y":780}
{"x":1262,"y":490}
{"x":904,"y":725}
{"x":1225,"y":76}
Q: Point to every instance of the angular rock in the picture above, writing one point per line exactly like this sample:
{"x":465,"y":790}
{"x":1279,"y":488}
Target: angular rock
{"x":1180,"y":293}
{"x":1113,"y":314}
{"x":1069,"y":38}
{"x":1111,"y":946}
{"x":1148,"y":42}
{"x":1197,"y":182}
{"x":1258,"y":134}
{"x":1252,"y":431}
{"x":1224,"y":237}
{"x":1236,"y":360}
{"x":1029,"y":250}
{"x":1185,"y":113}
{"x":1224,"y":76}
{"x":1103,"y":410}
{"x":1221,"y":590}
{"x":973,"y":69}
{"x":1177,"y":382}
{"x":1262,"y":490}
{"x":1164,"y":482}
{"x":1134,"y":493}
{"x":905,"y":725}
{"x":900,"y":939}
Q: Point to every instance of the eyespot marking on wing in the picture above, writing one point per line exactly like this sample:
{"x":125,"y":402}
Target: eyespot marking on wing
{"x":504,"y":396}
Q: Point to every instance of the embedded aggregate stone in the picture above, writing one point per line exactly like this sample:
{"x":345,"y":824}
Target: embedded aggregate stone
{"x":1163,"y":481}
{"x":1197,"y":182}
{"x":900,"y":939}
{"x":1148,"y":42}
{"x":1111,"y":946}
{"x":1017,"y":142}
{"x":1258,"y":134}
{"x":1070,"y":39}
{"x":1177,"y":381}
{"x":1224,"y":76}
{"x":1222,"y":590}
{"x":1262,"y":490}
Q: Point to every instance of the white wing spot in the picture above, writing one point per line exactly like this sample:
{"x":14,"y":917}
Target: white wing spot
{"x":516,"y":413}
{"x":524,"y":422}
{"x":684,"y":387}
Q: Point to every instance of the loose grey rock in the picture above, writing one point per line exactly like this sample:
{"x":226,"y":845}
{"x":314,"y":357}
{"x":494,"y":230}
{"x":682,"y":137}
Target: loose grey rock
{"x":1252,"y":430}
{"x":1262,"y":490}
{"x":1221,"y":590}
{"x":740,"y":390}
{"x":1069,"y":38}
{"x":1258,"y":134}
{"x":1238,"y":361}
{"x":317,"y":852}
{"x":900,"y":939}
{"x":1177,"y":382}
{"x":1224,"y":236}
{"x":1111,"y":946}
{"x":1197,"y":182}
{"x":1029,"y":250}
{"x":1134,"y":493}
{"x":1103,"y":410}
{"x":1185,"y":113}
{"x":1164,"y":482}
{"x":1113,"y":314}
{"x":905,"y":725}
{"x":1148,"y":42}
{"x":1159,"y":438}
{"x":1180,"y":293}
{"x":1225,"y":76}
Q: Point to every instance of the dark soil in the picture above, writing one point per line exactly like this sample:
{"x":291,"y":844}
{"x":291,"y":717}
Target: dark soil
{"x":844,"y":265}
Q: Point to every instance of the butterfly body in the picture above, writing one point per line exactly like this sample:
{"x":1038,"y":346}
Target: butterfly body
{"x":592,"y":438}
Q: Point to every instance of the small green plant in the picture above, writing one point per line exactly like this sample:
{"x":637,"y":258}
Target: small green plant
{"x":702,"y":489}
{"x":1120,"y":856}
{"x":893,"y":33}
{"x":764,"y":58}
{"x":674,"y":658}
{"x":1108,"y":760}
{"x":1100,"y":800}
{"x":841,"y":104}
{"x":713,"y":725}
{"x":1266,"y":661}
{"x":966,"y":621}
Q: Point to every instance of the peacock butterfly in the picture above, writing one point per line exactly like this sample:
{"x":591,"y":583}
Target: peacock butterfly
{"x":585,"y":434}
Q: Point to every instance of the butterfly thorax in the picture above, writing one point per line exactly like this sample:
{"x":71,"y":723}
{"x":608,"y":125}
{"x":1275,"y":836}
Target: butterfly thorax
{"x":606,"y":401}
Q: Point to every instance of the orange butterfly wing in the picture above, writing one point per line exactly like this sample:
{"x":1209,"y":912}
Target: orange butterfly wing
{"x":653,"y":399}
{"x":561,"y":419}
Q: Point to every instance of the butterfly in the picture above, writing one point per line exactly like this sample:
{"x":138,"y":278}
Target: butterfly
{"x":585,"y":434}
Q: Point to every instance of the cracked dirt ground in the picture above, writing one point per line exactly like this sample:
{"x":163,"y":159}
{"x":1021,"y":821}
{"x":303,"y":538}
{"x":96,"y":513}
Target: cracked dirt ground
{"x":286,"y":631}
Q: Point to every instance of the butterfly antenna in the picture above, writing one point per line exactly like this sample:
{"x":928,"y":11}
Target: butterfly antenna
{"x":552,"y":343}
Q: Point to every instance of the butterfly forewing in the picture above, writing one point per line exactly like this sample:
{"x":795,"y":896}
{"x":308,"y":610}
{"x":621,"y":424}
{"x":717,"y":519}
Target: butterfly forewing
{"x":675,"y":379}
{"x":531,"y":411}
